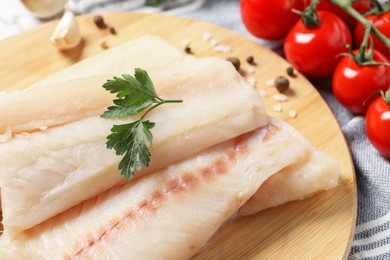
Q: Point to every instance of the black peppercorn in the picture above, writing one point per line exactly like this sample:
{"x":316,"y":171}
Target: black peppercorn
{"x":290,"y":71}
{"x":112,"y":30}
{"x":188,"y":50}
{"x":99,"y":21}
{"x":281,"y":84}
{"x":250,"y":60}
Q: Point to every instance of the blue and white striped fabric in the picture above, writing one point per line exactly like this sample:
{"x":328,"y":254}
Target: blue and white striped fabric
{"x":372,"y":239}
{"x":102,"y":6}
{"x":372,"y":235}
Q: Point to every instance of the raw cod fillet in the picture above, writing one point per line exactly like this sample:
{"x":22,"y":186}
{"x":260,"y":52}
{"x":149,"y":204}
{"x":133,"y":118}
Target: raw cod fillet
{"x":64,"y":102}
{"x":148,"y":52}
{"x":71,"y":100}
{"x":46,"y":172}
{"x":64,"y":198}
{"x":176,"y":210}
{"x":295,"y":182}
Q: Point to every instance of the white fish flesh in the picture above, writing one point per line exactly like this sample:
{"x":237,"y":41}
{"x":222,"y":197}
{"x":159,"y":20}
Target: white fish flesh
{"x":64,"y":198}
{"x":295,"y":182}
{"x":72,"y":100}
{"x":170,"y":214}
{"x":84,"y":97}
{"x":26,"y":111}
{"x":148,"y":52}
{"x":46,"y":172}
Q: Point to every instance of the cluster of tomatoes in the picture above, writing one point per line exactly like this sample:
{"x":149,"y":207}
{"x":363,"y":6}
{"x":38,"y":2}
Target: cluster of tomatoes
{"x":318,"y":52}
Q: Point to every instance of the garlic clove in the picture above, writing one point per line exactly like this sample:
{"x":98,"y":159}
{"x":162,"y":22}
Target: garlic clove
{"x":67,"y":34}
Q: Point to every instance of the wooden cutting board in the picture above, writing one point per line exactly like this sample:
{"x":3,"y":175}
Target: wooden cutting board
{"x":317,"y":228}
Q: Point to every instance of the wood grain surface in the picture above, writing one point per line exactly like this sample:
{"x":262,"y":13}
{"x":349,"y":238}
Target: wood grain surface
{"x":320,"y":227}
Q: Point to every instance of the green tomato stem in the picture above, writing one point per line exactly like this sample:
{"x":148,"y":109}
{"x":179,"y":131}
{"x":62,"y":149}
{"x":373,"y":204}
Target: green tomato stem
{"x":378,"y":6}
{"x":362,"y":55}
{"x":309,"y":15}
{"x":313,"y":4}
{"x":346,"y":5}
{"x":386,"y":96}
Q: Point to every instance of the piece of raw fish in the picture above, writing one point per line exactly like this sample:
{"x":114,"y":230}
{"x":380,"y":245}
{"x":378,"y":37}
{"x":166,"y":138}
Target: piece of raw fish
{"x":170,"y":214}
{"x":24,"y":111}
{"x":295,"y":182}
{"x":35,"y":109}
{"x":148,"y":52}
{"x":44,"y":173}
{"x":38,"y":108}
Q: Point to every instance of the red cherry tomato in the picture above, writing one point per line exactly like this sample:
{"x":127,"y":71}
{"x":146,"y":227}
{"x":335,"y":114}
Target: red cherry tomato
{"x":314,"y":51}
{"x":382,"y":23}
{"x":361,"y":6}
{"x":354,"y":84}
{"x":270,"y":19}
{"x":378,"y":126}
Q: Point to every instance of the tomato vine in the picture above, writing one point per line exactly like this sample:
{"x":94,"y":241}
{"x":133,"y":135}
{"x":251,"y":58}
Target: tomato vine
{"x":370,"y":28}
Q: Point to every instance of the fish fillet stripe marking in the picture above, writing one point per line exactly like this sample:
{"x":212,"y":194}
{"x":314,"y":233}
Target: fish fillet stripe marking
{"x":176,"y":186}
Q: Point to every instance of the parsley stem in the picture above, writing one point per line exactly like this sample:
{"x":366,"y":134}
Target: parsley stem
{"x":134,"y":140}
{"x":173,"y":101}
{"x":159,"y":104}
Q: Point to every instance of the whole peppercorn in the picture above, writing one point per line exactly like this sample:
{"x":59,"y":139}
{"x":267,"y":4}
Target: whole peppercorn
{"x":99,"y":21}
{"x":112,"y":30}
{"x":103,"y":44}
{"x":281,"y":84}
{"x":290,"y":71}
{"x":250,"y":60}
{"x":188,"y":50}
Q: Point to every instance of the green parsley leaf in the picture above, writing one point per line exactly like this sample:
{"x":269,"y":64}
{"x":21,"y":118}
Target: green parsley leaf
{"x":133,"y":141}
{"x":143,"y":77}
{"x":126,"y":107}
{"x":134,"y":94}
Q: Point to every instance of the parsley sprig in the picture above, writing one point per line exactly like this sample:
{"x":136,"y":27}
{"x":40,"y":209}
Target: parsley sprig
{"x":134,"y":140}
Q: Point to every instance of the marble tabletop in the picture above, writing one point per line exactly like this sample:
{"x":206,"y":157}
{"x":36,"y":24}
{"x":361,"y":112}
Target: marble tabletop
{"x":15,"y":18}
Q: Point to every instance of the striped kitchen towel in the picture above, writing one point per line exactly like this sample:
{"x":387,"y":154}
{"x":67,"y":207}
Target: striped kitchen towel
{"x":104,"y":6}
{"x":371,"y":240}
{"x":372,"y":234}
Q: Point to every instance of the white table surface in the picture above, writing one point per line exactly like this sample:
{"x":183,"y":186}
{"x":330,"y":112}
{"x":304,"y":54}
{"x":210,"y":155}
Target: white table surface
{"x":15,"y":18}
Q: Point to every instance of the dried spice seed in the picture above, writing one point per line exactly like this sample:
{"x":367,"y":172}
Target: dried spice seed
{"x":103,"y":44}
{"x":293,"y":114}
{"x":290,"y":72}
{"x":263,"y":93}
{"x":250,"y":70}
{"x":270,"y":82}
{"x":280,"y":97}
{"x":282,"y":84}
{"x":213,"y":42}
{"x":188,"y":50}
{"x":235,"y":61}
{"x":252,"y":81}
{"x":278,"y":108}
{"x":223,"y":48}
{"x":207,"y":36}
{"x":250,"y":60}
{"x":99,"y":21}
{"x":112,"y":30}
